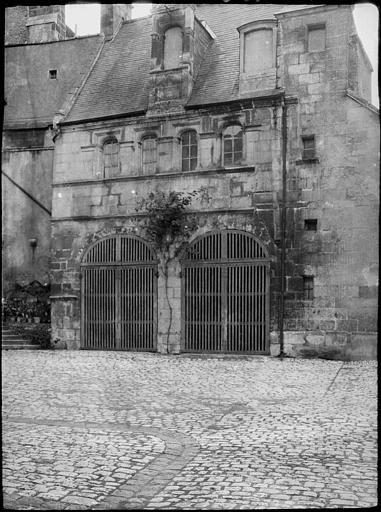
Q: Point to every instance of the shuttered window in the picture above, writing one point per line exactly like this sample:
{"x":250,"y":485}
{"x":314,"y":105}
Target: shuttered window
{"x":149,"y":155}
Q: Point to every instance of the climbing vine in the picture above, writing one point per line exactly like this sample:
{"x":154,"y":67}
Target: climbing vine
{"x":168,"y":226}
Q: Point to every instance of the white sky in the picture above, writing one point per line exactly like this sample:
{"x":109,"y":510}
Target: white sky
{"x":87,"y":19}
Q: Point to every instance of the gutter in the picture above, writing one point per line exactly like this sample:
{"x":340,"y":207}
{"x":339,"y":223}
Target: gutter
{"x":27,"y":194}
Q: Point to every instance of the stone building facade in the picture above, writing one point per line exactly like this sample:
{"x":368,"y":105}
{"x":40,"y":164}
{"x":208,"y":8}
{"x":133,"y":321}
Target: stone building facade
{"x":266,"y":109}
{"x":44,"y":64}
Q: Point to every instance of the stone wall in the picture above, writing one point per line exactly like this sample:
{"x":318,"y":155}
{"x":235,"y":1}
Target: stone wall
{"x":332,"y":194}
{"x":23,"y":219}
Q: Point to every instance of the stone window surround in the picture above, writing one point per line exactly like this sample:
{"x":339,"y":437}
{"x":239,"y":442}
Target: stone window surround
{"x":251,"y":27}
{"x":99,"y":138}
{"x":316,"y":26}
{"x":220,"y":136}
{"x":179,"y":140}
{"x":149,"y":135}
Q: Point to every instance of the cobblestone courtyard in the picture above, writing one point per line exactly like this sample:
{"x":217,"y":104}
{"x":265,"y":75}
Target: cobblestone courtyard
{"x":106,"y":430}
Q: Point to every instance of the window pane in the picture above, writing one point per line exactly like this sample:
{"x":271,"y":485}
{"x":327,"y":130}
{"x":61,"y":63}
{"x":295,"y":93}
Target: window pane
{"x":228,"y":145}
{"x":193,"y":151}
{"x":309,"y":143}
{"x":192,"y":138}
{"x":258,"y":51}
{"x":237,"y":157}
{"x":238,"y":142}
{"x":227,"y":158}
{"x":193,"y":164}
{"x":173,"y":45}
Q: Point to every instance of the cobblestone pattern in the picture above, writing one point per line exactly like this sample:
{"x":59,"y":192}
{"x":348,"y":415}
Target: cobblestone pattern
{"x":192,"y":432}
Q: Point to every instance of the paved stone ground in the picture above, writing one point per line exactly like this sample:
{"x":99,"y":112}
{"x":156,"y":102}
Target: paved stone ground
{"x":107,"y":430}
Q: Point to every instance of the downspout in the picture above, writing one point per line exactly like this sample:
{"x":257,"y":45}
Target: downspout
{"x":283,"y":230}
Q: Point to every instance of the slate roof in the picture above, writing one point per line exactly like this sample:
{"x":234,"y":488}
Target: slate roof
{"x":118,"y":83}
{"x":32,"y":98}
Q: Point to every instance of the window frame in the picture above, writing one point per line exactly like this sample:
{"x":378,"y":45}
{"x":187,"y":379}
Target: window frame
{"x":155,"y":161}
{"x":252,"y":27}
{"x":189,"y":158}
{"x":308,"y":287}
{"x":308,"y":153}
{"x":233,"y":162}
{"x":111,"y":170}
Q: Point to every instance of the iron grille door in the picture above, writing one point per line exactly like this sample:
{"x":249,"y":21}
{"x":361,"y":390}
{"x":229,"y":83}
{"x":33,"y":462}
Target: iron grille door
{"x":119,"y":295}
{"x":225,"y":302}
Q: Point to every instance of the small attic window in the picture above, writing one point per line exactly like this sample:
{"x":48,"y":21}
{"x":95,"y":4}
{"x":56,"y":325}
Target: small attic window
{"x":310,"y":224}
{"x":53,"y":74}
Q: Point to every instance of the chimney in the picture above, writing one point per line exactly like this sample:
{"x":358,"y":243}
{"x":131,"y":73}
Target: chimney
{"x":111,"y":16}
{"x":46,"y":23}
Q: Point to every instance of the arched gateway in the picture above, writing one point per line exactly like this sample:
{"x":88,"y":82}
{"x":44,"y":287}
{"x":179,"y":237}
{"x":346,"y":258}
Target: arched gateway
{"x":119,"y":295}
{"x":225,"y":299}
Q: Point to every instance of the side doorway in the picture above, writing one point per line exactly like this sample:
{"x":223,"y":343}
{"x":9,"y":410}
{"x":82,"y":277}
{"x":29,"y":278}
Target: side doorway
{"x":119,"y":295}
{"x":225,"y":294}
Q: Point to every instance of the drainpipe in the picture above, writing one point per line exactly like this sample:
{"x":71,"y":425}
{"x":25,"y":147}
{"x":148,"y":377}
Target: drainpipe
{"x":283,"y":230}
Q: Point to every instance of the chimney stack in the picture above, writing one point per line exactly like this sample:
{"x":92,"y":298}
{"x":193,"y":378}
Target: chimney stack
{"x":111,"y":16}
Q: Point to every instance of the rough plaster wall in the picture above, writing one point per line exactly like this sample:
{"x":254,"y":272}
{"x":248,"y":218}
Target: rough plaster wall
{"x":23,"y":219}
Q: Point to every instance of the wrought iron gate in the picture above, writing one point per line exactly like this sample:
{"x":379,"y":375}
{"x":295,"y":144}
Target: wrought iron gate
{"x":119,"y":295}
{"x":225,"y":302}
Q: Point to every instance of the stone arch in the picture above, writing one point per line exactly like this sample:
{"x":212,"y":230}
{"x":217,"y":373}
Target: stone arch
{"x":119,"y":294}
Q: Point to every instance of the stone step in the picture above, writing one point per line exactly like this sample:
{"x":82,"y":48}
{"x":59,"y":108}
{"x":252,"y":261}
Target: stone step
{"x":13,"y":341}
{"x":23,"y":346}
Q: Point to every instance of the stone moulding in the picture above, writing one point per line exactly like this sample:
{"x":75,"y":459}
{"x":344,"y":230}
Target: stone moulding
{"x":64,"y":297}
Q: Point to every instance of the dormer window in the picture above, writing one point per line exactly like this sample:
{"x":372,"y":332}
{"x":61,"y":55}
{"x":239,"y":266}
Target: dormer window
{"x":258,"y":51}
{"x":257,"y":47}
{"x":173,"y":47}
